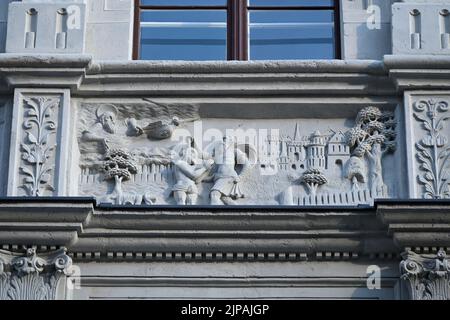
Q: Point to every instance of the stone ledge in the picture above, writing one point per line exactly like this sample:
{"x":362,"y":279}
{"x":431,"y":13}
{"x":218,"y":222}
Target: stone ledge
{"x":275,"y":232}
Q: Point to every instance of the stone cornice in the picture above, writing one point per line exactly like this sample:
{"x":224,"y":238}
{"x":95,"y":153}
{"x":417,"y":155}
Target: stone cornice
{"x":229,"y":232}
{"x":417,"y":72}
{"x":236,"y":233}
{"x":166,"y":78}
{"x":183,"y":78}
{"x":42,"y":71}
{"x":417,"y":223}
{"x":43,"y":221}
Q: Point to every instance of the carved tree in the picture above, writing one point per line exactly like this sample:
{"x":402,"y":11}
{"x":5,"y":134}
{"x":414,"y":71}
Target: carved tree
{"x":313,"y":178}
{"x":372,"y":137}
{"x":433,"y":149}
{"x":354,"y":171}
{"x":119,"y":165}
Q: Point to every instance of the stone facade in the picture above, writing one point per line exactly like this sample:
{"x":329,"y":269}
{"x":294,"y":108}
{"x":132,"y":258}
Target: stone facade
{"x":269,"y":178}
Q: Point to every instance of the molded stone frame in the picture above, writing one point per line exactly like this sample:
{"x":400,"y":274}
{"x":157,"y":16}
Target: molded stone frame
{"x":40,"y":144}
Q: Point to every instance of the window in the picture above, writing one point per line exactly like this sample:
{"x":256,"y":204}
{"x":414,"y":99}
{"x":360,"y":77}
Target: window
{"x":236,"y":29}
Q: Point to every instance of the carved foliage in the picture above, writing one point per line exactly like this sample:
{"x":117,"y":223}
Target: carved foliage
{"x":427,"y":276}
{"x":433,"y":149}
{"x":39,"y":123}
{"x":31,"y":277}
{"x":373,"y":136}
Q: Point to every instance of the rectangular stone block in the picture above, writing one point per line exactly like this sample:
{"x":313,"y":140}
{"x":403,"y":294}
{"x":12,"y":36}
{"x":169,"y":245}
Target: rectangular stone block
{"x":419,"y":28}
{"x":39,"y":27}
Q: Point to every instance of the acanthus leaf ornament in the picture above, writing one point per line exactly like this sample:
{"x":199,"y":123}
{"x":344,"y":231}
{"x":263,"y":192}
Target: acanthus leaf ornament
{"x":433,"y":149}
{"x":36,"y":151}
{"x":427,"y":276}
{"x":32,"y":277}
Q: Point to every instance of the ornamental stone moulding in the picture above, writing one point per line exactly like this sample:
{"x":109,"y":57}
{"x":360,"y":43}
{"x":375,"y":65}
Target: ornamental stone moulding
{"x":29,"y":276}
{"x":426,"y":276}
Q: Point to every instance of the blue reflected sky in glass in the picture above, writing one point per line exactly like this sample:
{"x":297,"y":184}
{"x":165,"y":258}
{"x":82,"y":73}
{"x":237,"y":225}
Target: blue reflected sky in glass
{"x":306,"y":3}
{"x":183,"y":2}
{"x":284,"y":35}
{"x":183,"y":35}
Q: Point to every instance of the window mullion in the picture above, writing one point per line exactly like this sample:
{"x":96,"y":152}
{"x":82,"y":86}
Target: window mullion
{"x":237,"y":30}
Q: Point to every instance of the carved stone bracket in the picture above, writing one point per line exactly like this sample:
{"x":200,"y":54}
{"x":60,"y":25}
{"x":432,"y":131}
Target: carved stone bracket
{"x":31,"y":277}
{"x":426,"y":276}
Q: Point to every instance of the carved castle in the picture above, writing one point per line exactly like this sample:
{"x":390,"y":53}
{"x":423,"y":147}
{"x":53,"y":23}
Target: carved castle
{"x":327,"y":153}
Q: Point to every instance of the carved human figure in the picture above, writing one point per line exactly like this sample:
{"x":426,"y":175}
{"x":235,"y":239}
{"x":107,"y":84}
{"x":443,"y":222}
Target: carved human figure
{"x":226,"y":186}
{"x":103,"y":128}
{"x":189,"y":170}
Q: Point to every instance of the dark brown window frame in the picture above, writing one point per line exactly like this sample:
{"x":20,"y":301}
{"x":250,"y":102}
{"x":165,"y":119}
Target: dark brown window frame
{"x":237,"y":24}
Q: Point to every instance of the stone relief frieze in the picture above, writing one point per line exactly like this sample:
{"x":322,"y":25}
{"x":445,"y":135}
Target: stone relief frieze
{"x":149,"y":153}
{"x":32,"y":277}
{"x":433,"y":149}
{"x":426,"y":276}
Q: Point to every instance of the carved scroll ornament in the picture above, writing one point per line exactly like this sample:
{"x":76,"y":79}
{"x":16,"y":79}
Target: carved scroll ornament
{"x":426,"y":276}
{"x":30,"y":277}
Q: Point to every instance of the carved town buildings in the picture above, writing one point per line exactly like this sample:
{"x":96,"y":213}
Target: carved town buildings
{"x":137,"y":162}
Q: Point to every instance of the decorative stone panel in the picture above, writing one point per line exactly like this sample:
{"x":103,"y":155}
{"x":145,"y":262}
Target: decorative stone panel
{"x":428,"y":132}
{"x":421,"y":27}
{"x":144,"y":152}
{"x":40,"y":138}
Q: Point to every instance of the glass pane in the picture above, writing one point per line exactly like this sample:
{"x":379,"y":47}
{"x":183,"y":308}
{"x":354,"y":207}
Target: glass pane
{"x":183,"y":2}
{"x":183,"y":35}
{"x":282,"y":35}
{"x":280,"y":3}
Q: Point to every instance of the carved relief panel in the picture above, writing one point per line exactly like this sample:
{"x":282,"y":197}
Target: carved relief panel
{"x":39,"y":143}
{"x":151,"y":152}
{"x":428,"y":132}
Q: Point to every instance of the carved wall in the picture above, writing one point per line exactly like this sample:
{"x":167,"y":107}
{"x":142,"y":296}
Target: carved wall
{"x":149,"y":152}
